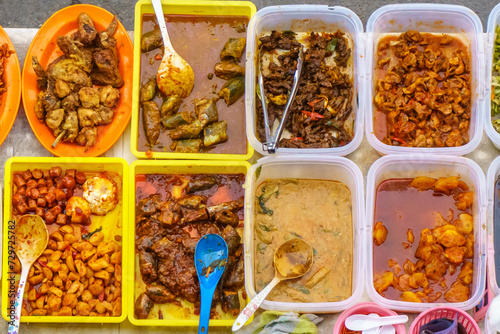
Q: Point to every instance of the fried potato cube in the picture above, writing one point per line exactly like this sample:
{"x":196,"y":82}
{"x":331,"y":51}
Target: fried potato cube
{"x":466,"y":273}
{"x":82,"y":309}
{"x":469,"y":245}
{"x":446,"y":184}
{"x":435,"y":270}
{"x":394,"y":265}
{"x":403,"y":282}
{"x":464,"y":223}
{"x":455,"y":254}
{"x":379,"y":233}
{"x":438,"y":232}
{"x":464,"y":201}
{"x":96,"y":238}
{"x":54,"y":302}
{"x":457,"y":293}
{"x":70,"y":300}
{"x":409,"y":267}
{"x":65,"y":311}
{"x":410,"y":237}
{"x":427,"y":238}
{"x":409,"y":296}
{"x":422,"y":183}
{"x":418,"y":280}
{"x":383,"y":282}
{"x":451,"y":238}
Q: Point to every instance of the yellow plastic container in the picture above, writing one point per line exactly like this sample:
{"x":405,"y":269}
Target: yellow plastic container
{"x":114,"y":223}
{"x":188,"y":7}
{"x":172,"y":167}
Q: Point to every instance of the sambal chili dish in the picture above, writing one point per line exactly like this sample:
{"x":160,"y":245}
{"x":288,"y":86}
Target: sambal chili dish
{"x":422,"y":90}
{"x":322,"y":113}
{"x":423,"y":253}
{"x":211,"y":119}
{"x":80,"y":271}
{"x":172,"y":213}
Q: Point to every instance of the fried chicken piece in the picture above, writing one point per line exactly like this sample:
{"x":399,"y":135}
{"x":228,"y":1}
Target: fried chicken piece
{"x":62,"y":89}
{"x":49,"y":100}
{"x":71,"y":102}
{"x":105,"y":38}
{"x":457,"y":293}
{"x":87,"y":137}
{"x":107,"y":72}
{"x":89,"y":97}
{"x":39,"y":109}
{"x":70,"y":126}
{"x":105,"y":114}
{"x":88,"y":117}
{"x":66,"y":70}
{"x":87,"y":31}
{"x":40,"y":73}
{"x":54,"y":118}
{"x":109,"y":96}
{"x":75,"y":51}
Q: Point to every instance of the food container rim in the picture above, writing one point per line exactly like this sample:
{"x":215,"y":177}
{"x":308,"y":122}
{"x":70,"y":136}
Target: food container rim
{"x":491,"y":178}
{"x":38,"y":162}
{"x":139,"y":6}
{"x":250,"y":79}
{"x":413,"y":160}
{"x":478,"y":92}
{"x":358,"y":283}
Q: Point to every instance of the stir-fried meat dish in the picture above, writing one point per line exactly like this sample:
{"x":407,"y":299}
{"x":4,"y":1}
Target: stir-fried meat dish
{"x":172,"y":213}
{"x":322,"y":113}
{"x":423,"y":90}
{"x":4,"y":54}
{"x":439,"y":266}
{"x":200,"y":123}
{"x":79,"y":90}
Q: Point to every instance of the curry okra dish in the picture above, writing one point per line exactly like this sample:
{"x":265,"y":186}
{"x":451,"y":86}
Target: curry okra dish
{"x":317,"y":211}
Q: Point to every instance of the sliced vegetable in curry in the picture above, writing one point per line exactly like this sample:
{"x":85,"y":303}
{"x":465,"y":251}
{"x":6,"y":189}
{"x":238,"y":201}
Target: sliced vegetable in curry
{"x":495,"y":82}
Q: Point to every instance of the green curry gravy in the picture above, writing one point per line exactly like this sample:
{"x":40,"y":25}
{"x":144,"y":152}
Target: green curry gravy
{"x":318,"y":211}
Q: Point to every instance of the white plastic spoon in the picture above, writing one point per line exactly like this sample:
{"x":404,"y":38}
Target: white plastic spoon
{"x":389,"y":329}
{"x":374,"y":330}
{"x":360,"y":322}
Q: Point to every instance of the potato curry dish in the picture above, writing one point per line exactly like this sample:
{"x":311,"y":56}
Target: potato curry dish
{"x":172,"y":213}
{"x":212,"y":118}
{"x":423,"y":253}
{"x":422,"y":90}
{"x":79,"y":90}
{"x":79,"y":273}
{"x":322,"y":114}
{"x":318,"y":211}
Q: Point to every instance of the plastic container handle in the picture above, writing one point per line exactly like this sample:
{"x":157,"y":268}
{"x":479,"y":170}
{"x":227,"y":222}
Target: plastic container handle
{"x":157,"y":6}
{"x":360,"y":322}
{"x":14,"y":325}
{"x":254,"y":304}
{"x":207,"y":294}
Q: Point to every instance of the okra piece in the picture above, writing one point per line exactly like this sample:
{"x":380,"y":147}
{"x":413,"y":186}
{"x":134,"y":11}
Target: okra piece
{"x":317,"y":277}
{"x":233,"y":49}
{"x":151,"y":40}
{"x":148,"y":91}
{"x":227,"y":70}
{"x":151,"y":121}
{"x":233,"y":90}
{"x":187,"y":146}
{"x":188,"y":131}
{"x":173,"y":121}
{"x":215,"y":134}
{"x":170,"y":105}
{"x":206,"y":111}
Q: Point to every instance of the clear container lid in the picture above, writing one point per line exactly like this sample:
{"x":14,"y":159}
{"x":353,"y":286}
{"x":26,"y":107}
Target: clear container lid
{"x":493,"y":227}
{"x":432,"y":18}
{"x":493,"y":21}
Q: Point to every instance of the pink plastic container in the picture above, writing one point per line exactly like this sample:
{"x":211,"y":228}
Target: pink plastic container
{"x":366,"y":308}
{"x":464,"y":318}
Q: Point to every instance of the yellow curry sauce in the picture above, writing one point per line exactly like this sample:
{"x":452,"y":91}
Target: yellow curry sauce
{"x":318,"y":211}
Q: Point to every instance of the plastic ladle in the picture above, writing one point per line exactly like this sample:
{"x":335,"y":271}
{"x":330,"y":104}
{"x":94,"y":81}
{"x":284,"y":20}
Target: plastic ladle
{"x":361,"y":322}
{"x":32,"y":238}
{"x":292,"y":259}
{"x":210,"y":258}
{"x":175,"y":76}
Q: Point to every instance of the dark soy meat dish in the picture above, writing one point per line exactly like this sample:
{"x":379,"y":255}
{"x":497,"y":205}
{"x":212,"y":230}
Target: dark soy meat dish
{"x":172,"y":213}
{"x":322,"y":113}
{"x":212,"y":118}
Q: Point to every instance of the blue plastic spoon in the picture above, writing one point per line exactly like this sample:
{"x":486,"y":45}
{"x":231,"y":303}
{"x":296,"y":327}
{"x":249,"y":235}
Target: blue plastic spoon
{"x":210,"y":258}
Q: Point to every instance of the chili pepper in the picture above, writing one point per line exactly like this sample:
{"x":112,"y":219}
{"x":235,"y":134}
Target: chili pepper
{"x":158,"y":56}
{"x":314,"y":115}
{"x":298,"y":138}
{"x":313,"y":102}
{"x":43,"y":264}
{"x":101,"y":296}
{"x":399,"y":140}
{"x":208,"y":271}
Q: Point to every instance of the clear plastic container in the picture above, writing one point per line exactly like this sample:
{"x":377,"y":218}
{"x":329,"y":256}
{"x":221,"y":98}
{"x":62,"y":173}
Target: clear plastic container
{"x":432,"y":18}
{"x":493,"y":227}
{"x":493,"y":21}
{"x":307,"y":167}
{"x":409,"y":166}
{"x":305,"y":18}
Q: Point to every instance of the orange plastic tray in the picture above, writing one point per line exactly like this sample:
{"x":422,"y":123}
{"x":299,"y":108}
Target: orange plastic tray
{"x":44,"y":46}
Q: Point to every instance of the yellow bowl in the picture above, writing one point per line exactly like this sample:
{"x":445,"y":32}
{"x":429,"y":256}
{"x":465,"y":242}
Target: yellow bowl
{"x":171,"y":167}
{"x":188,"y":7}
{"x":116,"y":223}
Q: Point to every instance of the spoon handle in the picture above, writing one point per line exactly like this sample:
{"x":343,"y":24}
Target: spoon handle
{"x":254,"y":304}
{"x":157,"y":6}
{"x":14,"y":319}
{"x":207,"y":294}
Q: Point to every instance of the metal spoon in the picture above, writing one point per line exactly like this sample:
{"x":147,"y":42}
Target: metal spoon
{"x":32,"y":238}
{"x":292,"y":259}
{"x":210,"y":258}
{"x":175,"y":76}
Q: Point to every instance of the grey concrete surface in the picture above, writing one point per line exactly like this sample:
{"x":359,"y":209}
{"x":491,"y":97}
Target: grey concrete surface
{"x":32,"y":13}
